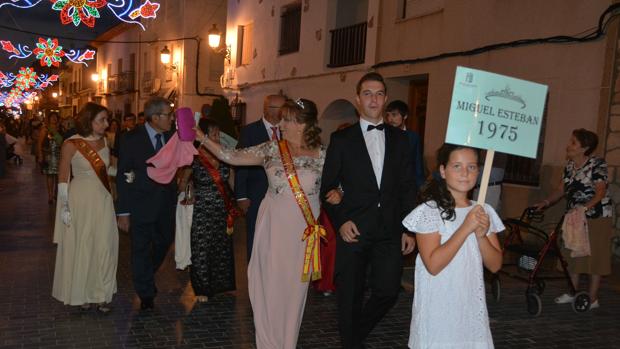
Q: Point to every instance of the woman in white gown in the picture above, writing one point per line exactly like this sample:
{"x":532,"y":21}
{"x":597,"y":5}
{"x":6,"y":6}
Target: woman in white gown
{"x":85,"y":228}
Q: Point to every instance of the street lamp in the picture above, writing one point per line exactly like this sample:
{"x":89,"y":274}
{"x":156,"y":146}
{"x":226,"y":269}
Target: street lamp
{"x":215,"y":38}
{"x":165,"y":58}
{"x":95,"y":77}
{"x":164,"y":55}
{"x":55,"y":94}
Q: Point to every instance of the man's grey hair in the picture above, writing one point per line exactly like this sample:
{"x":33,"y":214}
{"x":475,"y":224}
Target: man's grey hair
{"x":154,"y":106}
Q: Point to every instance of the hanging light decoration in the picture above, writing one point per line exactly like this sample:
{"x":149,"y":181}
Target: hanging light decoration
{"x":86,"y":12}
{"x":48,"y":52}
{"x":78,"y":11}
{"x":26,"y":79}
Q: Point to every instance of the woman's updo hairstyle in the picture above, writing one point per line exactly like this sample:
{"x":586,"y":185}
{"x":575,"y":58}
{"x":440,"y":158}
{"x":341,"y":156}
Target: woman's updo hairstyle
{"x":304,"y":111}
{"x":587,"y":139}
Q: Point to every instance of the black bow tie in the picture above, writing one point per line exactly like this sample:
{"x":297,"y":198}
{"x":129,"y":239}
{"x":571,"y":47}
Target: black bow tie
{"x":379,"y":127}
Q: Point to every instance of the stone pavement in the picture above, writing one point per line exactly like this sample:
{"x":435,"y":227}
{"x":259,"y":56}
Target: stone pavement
{"x":30,"y":318}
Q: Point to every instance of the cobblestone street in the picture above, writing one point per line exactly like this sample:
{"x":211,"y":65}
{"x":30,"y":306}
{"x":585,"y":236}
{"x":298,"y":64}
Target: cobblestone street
{"x":31,"y":318}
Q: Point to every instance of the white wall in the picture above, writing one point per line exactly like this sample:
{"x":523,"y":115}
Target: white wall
{"x":317,"y":19}
{"x":573,"y":72}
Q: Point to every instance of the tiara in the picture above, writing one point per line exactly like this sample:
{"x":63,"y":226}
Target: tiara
{"x":300,"y":103}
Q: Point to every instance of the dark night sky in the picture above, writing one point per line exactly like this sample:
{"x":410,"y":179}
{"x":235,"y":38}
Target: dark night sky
{"x":42,"y":19}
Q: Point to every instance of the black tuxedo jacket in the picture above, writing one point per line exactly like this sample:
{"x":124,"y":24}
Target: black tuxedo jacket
{"x":376,"y":211}
{"x":144,"y":198}
{"x":251,"y":181}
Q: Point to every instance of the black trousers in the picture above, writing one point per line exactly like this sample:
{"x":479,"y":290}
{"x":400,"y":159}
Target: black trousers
{"x":149,"y":245}
{"x":384,"y":257}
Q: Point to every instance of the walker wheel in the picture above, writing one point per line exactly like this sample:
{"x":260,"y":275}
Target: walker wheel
{"x":534,"y":304}
{"x":496,"y":289}
{"x":582,"y":302}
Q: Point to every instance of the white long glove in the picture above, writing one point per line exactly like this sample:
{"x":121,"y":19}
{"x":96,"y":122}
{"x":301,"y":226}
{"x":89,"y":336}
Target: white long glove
{"x":112,"y":171}
{"x":63,"y":199}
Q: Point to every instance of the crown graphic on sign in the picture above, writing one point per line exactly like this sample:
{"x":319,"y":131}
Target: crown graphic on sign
{"x":506,"y":93}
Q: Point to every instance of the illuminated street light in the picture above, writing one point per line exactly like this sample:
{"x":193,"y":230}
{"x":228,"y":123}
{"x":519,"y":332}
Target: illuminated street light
{"x":214,"y":36}
{"x":164,"y":55}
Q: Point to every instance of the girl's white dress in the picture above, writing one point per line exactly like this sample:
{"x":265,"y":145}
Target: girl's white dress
{"x":449,"y":309}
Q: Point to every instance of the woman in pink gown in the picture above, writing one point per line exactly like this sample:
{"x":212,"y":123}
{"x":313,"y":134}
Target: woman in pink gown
{"x":276,"y":289}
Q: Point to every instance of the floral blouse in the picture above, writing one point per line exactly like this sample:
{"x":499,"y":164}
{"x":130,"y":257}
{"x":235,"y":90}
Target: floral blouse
{"x":268,"y":154}
{"x":579,"y":186}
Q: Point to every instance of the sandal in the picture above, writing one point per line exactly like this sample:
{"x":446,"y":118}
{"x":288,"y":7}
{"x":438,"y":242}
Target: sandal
{"x":202,"y":299}
{"x":103,"y":308}
{"x":85,"y":307}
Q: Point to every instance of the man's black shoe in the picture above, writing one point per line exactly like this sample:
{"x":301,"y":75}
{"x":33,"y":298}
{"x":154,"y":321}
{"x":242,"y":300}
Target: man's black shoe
{"x":146,"y":303}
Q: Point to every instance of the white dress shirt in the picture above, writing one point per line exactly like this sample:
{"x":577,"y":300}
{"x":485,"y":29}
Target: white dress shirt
{"x":268,"y":126}
{"x":375,"y":144}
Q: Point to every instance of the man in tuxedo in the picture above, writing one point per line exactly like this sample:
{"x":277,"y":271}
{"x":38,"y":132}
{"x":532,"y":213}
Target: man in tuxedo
{"x":396,"y":113}
{"x":251,"y":182}
{"x":146,"y":209}
{"x":372,"y":163}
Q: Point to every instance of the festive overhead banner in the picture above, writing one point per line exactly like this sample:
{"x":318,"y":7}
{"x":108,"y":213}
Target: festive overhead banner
{"x":27,"y":79}
{"x":48,"y":52}
{"x":15,"y":97}
{"x":86,"y":12}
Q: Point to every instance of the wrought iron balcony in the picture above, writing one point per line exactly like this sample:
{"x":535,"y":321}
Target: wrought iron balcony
{"x":348,"y":45}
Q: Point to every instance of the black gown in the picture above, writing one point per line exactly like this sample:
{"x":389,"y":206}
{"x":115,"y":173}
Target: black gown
{"x":213,"y":269}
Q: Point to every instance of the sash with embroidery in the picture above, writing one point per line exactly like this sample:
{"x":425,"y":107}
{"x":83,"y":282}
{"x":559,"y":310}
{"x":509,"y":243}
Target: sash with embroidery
{"x":95,"y":160}
{"x":314,"y":232}
{"x":221,"y":187}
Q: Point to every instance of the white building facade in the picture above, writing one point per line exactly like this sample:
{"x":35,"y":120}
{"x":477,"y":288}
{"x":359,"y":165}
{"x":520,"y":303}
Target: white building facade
{"x":340,"y":40}
{"x":129,"y":66}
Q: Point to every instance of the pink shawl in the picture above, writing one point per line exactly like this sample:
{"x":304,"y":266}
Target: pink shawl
{"x":173,"y":155}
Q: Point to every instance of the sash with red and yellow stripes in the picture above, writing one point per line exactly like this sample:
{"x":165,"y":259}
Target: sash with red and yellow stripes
{"x":314,"y":232}
{"x":231,"y":210}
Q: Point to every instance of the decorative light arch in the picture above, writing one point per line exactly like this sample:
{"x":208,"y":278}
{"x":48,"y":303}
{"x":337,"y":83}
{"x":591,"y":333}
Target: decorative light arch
{"x":27,"y":79}
{"x":86,"y":12}
{"x":48,"y":52}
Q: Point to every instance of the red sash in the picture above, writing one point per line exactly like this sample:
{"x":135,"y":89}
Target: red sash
{"x":221,"y":187}
{"x":314,"y":232}
{"x":94,"y":159}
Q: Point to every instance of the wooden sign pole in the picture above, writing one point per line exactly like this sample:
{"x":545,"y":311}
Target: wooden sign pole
{"x":486,"y":174}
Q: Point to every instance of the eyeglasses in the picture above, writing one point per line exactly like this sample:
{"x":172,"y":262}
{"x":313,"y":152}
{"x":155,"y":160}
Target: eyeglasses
{"x":168,"y":115}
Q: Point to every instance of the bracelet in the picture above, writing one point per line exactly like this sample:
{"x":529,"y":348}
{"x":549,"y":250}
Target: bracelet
{"x":204,"y":141}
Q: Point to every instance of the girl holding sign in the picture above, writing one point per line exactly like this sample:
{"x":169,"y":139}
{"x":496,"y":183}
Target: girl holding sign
{"x":456,"y":238}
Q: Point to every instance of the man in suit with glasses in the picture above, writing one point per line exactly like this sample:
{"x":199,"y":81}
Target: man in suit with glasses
{"x":146,"y":209}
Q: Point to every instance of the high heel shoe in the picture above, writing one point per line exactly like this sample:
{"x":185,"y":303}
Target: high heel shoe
{"x":103,"y":308}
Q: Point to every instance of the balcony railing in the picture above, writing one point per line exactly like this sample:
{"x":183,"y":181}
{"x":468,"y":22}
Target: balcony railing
{"x":127,"y":81}
{"x":121,"y":83}
{"x":348,"y":45}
